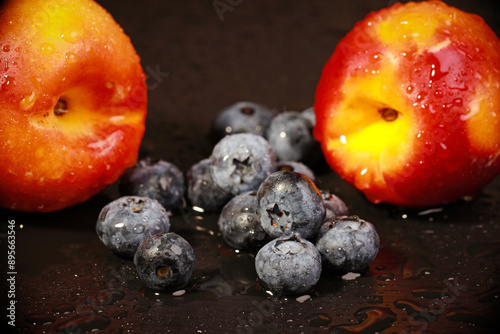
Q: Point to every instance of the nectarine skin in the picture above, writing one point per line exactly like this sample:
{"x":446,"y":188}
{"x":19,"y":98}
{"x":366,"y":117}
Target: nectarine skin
{"x":72,"y":103}
{"x":408,"y":105}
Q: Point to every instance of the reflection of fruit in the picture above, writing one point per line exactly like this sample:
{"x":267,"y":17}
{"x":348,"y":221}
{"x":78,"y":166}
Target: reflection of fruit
{"x":408,"y":106}
{"x":72,"y":103}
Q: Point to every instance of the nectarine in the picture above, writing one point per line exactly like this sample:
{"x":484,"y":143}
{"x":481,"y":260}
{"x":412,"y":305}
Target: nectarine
{"x":72,"y":103}
{"x":408,"y":105}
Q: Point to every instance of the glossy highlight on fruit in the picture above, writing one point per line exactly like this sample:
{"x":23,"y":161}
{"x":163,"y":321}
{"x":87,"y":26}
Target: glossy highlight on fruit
{"x":408,"y":106}
{"x":72,"y":103}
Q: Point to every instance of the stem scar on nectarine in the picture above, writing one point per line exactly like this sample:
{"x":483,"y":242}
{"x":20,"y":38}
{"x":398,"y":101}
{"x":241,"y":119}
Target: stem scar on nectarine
{"x":61,"y":107}
{"x":388,"y":114}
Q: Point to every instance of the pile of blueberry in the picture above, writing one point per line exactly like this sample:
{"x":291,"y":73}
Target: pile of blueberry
{"x":258,"y":179}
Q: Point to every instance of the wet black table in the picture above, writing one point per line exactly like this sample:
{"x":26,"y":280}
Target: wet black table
{"x":437,"y":270}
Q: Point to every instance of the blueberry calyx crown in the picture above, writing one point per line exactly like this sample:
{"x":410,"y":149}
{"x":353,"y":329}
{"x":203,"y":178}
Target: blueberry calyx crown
{"x":135,"y":204}
{"x":345,"y":219}
{"x":299,"y":245}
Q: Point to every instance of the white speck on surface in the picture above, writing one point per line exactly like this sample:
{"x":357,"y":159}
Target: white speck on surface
{"x":350,"y":276}
{"x":303,"y":298}
{"x":178,"y":293}
{"x":429,"y":211}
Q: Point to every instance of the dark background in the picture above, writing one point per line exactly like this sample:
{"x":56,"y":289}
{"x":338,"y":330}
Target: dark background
{"x":437,"y":270}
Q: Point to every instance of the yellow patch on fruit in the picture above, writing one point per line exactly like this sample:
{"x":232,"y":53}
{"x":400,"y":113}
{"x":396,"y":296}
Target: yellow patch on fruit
{"x":413,"y":25}
{"x":361,"y":134}
{"x":483,"y":122}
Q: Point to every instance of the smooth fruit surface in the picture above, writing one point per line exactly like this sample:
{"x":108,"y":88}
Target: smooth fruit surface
{"x":72,"y":103}
{"x":408,"y":106}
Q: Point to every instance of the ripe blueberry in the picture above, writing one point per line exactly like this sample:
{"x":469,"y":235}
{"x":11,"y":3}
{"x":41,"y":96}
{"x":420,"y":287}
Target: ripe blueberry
{"x":288,"y":265}
{"x":165,"y":261}
{"x":240,"y":162}
{"x":347,"y":244}
{"x":124,"y":223}
{"x":242,"y":117}
{"x":201,"y":189}
{"x":239,"y":222}
{"x":155,"y":178}
{"x":290,"y":136}
{"x":290,"y":203}
{"x":335,"y":207}
{"x":309,"y":115}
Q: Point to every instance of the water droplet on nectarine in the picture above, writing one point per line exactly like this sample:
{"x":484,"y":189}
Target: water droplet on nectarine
{"x":71,"y":57}
{"x":47,"y":48}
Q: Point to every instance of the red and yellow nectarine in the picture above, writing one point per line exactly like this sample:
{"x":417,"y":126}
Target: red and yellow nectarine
{"x":72,"y":103}
{"x":408,"y":105}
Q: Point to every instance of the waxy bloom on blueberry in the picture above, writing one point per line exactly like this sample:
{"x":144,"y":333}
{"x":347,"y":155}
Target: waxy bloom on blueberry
{"x":202,"y":192}
{"x":290,"y":136}
{"x":347,"y":244}
{"x":288,"y":265}
{"x":239,"y":222}
{"x":335,"y":207}
{"x":125,"y":222}
{"x":165,"y":261}
{"x":290,"y":203}
{"x":240,"y":162}
{"x":242,"y":117}
{"x":155,"y":178}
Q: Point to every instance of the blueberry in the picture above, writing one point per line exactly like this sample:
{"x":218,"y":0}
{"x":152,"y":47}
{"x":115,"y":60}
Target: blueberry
{"x":290,"y":136}
{"x":239,"y":222}
{"x":309,"y":115}
{"x":242,"y":117}
{"x":155,"y":178}
{"x":347,"y":244}
{"x":201,"y":189}
{"x":240,"y":162}
{"x":288,"y":265}
{"x":165,"y":261}
{"x":296,"y":166}
{"x":335,"y":207}
{"x":124,"y":223}
{"x":290,"y":203}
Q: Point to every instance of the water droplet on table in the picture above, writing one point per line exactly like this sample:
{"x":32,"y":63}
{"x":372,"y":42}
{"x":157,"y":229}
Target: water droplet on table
{"x":417,"y":266}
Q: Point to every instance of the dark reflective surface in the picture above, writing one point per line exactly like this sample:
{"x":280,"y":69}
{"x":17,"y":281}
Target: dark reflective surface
{"x":437,"y":269}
